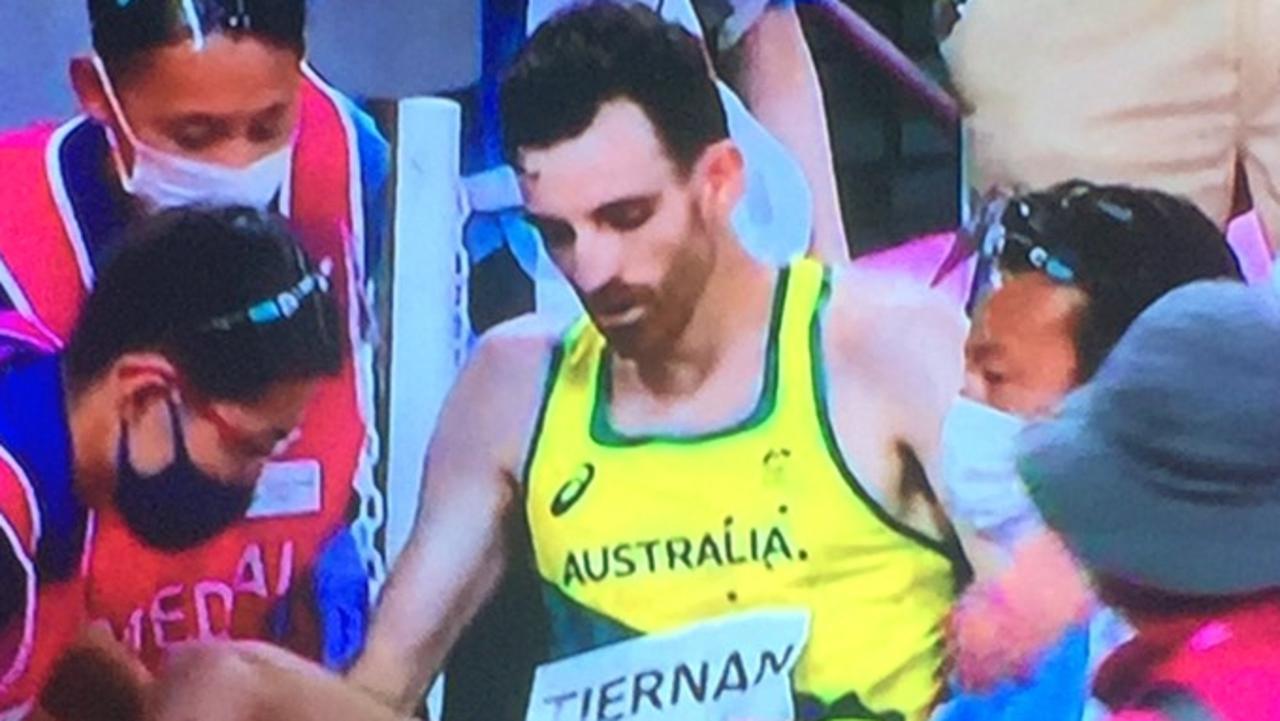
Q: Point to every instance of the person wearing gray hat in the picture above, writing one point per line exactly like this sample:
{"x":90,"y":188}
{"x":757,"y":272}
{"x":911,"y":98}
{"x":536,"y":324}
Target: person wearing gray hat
{"x":1077,"y":263}
{"x":1163,"y":475}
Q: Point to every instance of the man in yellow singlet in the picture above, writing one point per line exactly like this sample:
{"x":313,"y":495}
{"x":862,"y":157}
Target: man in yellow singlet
{"x":722,"y":467}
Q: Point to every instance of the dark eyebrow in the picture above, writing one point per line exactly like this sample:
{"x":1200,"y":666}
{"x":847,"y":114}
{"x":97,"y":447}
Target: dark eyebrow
{"x":983,"y":349}
{"x":612,"y":206}
{"x":271,"y":112}
{"x":195,"y":119}
{"x":197,"y":123}
{"x":625,"y":203}
{"x":617,"y":211}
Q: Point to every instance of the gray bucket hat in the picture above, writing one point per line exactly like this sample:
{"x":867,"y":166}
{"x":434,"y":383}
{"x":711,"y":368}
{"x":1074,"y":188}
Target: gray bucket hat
{"x":1164,"y":470}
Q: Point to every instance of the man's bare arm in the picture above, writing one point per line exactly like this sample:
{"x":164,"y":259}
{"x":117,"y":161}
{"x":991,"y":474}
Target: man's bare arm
{"x":457,"y":550}
{"x":253,"y":681}
{"x":931,"y":332}
{"x":908,"y":344}
{"x":774,"y":71}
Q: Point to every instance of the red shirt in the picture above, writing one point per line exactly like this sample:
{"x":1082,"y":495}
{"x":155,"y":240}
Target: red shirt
{"x":1228,"y":662}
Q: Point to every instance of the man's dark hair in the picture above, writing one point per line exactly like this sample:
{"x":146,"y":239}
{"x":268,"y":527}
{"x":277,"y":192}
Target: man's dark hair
{"x":596,"y":52}
{"x":1124,"y":247}
{"x":182,"y":284}
{"x":124,"y":31}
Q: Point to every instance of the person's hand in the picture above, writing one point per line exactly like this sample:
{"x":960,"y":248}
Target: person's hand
{"x":981,"y":632}
{"x":1001,"y":629}
{"x":207,"y":681}
{"x":96,"y":679}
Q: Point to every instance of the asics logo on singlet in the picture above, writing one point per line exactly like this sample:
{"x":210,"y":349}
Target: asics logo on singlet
{"x":573,"y":490}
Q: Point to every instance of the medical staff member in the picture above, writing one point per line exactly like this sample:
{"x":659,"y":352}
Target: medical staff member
{"x":212,"y":102}
{"x":191,"y":367}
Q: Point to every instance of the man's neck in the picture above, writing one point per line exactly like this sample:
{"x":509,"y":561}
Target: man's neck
{"x":734,"y":306}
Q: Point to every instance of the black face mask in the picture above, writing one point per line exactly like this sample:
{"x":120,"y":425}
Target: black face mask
{"x":180,"y":506}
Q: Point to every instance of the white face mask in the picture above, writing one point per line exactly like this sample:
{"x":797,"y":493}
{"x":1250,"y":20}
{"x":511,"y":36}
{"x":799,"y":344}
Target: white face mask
{"x":980,"y":475}
{"x":163,"y":180}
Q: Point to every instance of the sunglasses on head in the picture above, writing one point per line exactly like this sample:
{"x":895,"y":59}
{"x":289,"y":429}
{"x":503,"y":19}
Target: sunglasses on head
{"x":1018,"y":243}
{"x":282,"y":306}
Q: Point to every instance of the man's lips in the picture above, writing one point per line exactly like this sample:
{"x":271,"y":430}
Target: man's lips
{"x":619,"y":316}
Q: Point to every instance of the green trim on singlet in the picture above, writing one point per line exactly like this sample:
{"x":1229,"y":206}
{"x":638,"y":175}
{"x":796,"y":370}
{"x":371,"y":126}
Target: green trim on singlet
{"x":829,"y":436}
{"x":605,"y":434}
{"x":549,"y":384}
{"x":577,"y":629}
{"x":848,"y":707}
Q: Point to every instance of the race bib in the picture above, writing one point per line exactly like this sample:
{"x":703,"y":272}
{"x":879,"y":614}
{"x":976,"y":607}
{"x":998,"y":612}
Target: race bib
{"x":287,"y":488}
{"x":736,"y":668}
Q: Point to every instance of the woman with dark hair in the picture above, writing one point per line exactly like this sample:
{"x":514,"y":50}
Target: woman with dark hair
{"x":211,"y":102}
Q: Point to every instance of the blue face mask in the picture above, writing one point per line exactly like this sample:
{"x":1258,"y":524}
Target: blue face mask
{"x":180,"y":506}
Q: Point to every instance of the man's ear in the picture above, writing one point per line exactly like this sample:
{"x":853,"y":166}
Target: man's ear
{"x":721,"y":173}
{"x":138,"y":378}
{"x":87,"y":84}
{"x":94,"y":102}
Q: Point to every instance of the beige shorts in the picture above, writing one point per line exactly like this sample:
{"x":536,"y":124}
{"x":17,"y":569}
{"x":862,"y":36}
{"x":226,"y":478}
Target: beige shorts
{"x":1170,"y":94}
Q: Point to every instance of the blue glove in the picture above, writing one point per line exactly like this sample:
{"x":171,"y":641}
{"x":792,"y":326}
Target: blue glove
{"x":338,"y":597}
{"x":1056,"y":691}
{"x":340,"y":588}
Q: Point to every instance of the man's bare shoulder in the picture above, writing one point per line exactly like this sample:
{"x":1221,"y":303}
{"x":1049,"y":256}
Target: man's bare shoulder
{"x":877,"y":315}
{"x":510,"y":363}
{"x":903,"y":341}
{"x":495,"y":402}
{"x":525,"y":342}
